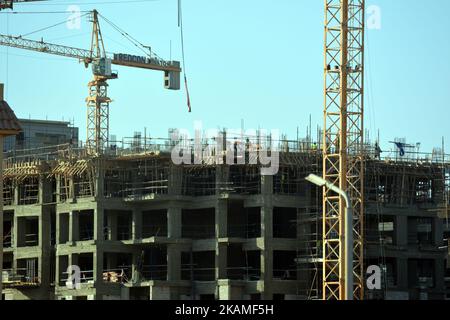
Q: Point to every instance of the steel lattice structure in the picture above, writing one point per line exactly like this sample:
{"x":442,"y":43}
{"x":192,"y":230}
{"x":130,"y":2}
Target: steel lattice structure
{"x":97,"y":115}
{"x":343,"y":162}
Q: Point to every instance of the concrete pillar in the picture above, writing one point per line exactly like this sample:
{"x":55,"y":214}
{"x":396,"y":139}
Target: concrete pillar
{"x":401,"y":230}
{"x":174,"y":222}
{"x":57,"y":271}
{"x":438,"y":232}
{"x":99,"y":213}
{"x":71,"y":195}
{"x":267,"y":252}
{"x":44,"y":245}
{"x":222,"y":178}
{"x":221,"y":223}
{"x":439,"y":274}
{"x":19,"y":231}
{"x":221,"y":218}
{"x":74,"y":226}
{"x":402,"y":274}
{"x":99,"y":180}
{"x":267,"y":234}
{"x":175,"y":180}
{"x":112,"y":225}
{"x":136,"y":264}
{"x":58,"y":229}
{"x":45,"y":190}
{"x":173,"y":250}
{"x":16,"y":193}
{"x":173,"y":262}
{"x":230,"y":292}
{"x":58,"y":188}
{"x":221,"y":260}
{"x":98,"y":267}
{"x":136,"y":224}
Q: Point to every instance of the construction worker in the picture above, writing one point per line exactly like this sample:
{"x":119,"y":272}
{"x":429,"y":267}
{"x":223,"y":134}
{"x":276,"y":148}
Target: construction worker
{"x":377,"y":151}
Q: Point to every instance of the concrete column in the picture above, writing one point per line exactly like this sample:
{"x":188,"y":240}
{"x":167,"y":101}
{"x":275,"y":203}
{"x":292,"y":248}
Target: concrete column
{"x":16,"y":194}
{"x":71,"y":195}
{"x":267,"y":252}
{"x":136,"y":277}
{"x":173,"y":250}
{"x":136,"y":224}
{"x":45,"y":190}
{"x":58,"y":229}
{"x":58,"y":188}
{"x":175,"y":180}
{"x":439,"y":274}
{"x":402,"y":274}
{"x":99,"y":213}
{"x":19,"y":231}
{"x":221,"y":222}
{"x":266,"y":185}
{"x":438,"y":232}
{"x":99,"y":180}
{"x":57,"y":271}
{"x":221,"y":218}
{"x":74,"y":226}
{"x":112,"y":225}
{"x":230,"y":292}
{"x":98,"y":267}
{"x":44,"y":245}
{"x":267,"y":234}
{"x":401,"y":230}
{"x":174,"y":223}
{"x":222,"y":178}
{"x":221,"y":260}
{"x":173,"y":262}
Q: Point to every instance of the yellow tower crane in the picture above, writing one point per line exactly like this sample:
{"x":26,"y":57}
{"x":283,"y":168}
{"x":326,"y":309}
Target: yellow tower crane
{"x":343,"y":153}
{"x":98,"y":101}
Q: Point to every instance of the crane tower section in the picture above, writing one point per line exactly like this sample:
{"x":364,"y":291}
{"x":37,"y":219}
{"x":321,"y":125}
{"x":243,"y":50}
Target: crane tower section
{"x":343,"y":161}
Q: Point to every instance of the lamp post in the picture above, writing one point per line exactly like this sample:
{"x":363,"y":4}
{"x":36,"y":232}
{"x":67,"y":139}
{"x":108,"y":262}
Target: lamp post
{"x":348,"y":227}
{"x":9,"y":126}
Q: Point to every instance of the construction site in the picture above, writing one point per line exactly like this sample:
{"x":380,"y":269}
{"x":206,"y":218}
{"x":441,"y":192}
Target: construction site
{"x":120,"y":220}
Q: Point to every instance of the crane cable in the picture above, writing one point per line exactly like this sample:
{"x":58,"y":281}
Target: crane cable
{"x":180,"y":25}
{"x":127,"y":36}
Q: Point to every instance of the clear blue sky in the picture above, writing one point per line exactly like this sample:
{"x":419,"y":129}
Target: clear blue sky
{"x":257,"y":60}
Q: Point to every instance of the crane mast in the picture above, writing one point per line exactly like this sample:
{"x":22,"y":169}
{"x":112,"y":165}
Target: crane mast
{"x":343,"y":143}
{"x":97,"y":122}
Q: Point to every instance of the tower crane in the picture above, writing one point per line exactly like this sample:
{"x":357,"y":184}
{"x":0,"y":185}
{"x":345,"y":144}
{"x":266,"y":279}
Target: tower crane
{"x":98,"y":100}
{"x":343,"y":148}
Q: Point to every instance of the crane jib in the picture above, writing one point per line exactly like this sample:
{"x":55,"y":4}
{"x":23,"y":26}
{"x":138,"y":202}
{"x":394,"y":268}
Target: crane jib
{"x":145,"y":62}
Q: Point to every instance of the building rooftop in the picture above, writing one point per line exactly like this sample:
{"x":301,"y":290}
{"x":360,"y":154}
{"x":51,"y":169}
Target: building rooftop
{"x":9,"y":124}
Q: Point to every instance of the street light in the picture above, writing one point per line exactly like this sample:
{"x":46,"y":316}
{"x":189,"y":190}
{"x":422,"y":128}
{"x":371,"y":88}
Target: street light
{"x":348,"y":228}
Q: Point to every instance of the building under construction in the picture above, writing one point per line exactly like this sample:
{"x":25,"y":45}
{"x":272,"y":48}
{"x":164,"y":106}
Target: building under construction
{"x":140,"y":227}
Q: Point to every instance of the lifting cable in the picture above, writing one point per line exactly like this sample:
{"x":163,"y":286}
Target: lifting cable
{"x":180,"y":25}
